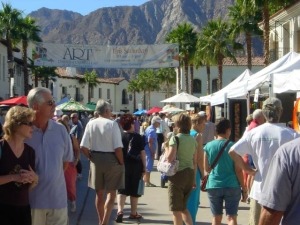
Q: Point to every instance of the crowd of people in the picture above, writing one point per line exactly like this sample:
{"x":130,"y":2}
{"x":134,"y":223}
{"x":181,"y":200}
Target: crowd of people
{"x":40,"y":163}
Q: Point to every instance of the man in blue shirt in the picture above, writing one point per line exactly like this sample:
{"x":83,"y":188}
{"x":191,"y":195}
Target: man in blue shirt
{"x":53,"y":150}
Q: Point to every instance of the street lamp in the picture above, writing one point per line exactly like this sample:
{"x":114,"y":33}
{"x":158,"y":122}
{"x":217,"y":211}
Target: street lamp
{"x":11,"y":66}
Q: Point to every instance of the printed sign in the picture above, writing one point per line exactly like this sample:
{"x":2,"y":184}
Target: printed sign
{"x":95,"y":56}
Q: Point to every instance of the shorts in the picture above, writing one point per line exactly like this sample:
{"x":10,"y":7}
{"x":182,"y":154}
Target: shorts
{"x":13,"y":214}
{"x":231,"y":197}
{"x":105,"y":172}
{"x":180,"y":187}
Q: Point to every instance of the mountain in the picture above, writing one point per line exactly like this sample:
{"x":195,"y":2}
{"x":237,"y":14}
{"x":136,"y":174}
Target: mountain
{"x":148,"y":23}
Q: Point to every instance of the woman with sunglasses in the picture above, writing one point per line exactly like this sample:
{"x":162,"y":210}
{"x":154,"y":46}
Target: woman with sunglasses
{"x":17,"y":165}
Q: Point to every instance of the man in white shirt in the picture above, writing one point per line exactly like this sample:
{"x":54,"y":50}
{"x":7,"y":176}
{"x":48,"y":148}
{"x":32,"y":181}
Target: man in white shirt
{"x":102,"y":145}
{"x":261,"y":143}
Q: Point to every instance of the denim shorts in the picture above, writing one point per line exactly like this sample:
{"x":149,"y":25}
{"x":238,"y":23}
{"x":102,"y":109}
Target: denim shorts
{"x":231,"y":197}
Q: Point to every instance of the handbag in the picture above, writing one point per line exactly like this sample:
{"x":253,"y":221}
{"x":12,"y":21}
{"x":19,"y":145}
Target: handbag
{"x":205,"y":178}
{"x":141,"y":187}
{"x":168,"y":168}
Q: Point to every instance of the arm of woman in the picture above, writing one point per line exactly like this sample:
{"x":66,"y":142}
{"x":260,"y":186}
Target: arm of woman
{"x":76,"y":149}
{"x":239,"y":174}
{"x":200,"y":154}
{"x":10,"y":178}
{"x":206,"y":164}
{"x":171,"y":153}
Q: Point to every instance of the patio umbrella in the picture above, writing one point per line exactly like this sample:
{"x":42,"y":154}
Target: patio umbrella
{"x":140,"y":112}
{"x":154,"y":109}
{"x":172,"y":110}
{"x":21,"y":100}
{"x":183,"y":97}
{"x":74,"y":106}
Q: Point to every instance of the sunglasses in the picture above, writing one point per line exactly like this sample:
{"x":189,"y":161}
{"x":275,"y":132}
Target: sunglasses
{"x":30,"y":124}
{"x":50,"y":102}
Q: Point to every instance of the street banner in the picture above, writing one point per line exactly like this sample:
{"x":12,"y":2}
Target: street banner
{"x":112,"y":56}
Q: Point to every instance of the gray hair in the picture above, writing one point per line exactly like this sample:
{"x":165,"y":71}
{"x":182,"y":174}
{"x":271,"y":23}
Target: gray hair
{"x":102,"y":106}
{"x":272,"y":109}
{"x":257,"y":113}
{"x":35,"y":95}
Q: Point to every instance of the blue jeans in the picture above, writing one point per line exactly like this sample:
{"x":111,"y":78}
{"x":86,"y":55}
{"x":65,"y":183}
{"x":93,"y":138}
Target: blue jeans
{"x":231,"y":197}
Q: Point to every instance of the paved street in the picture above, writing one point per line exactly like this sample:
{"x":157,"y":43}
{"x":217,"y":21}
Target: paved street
{"x":153,"y":205}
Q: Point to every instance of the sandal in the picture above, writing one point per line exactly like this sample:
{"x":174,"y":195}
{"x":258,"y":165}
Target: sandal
{"x":136,"y":216}
{"x":119,"y":218}
{"x":150,"y":185}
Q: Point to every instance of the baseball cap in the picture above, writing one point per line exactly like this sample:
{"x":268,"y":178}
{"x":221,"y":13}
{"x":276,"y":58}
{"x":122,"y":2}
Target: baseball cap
{"x":156,"y":119}
{"x":272,"y":104}
{"x":202,"y":113}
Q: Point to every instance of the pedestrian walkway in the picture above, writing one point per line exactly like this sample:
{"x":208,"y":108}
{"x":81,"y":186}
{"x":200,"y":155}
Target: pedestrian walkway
{"x":153,"y":206}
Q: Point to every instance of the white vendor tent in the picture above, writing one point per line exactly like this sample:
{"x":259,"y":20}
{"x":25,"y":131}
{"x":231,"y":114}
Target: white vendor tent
{"x":286,"y":81}
{"x":232,"y":90}
{"x":262,"y":78}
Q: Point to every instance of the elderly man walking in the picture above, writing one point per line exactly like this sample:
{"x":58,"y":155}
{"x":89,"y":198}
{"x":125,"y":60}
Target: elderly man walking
{"x":102,"y":145}
{"x":261,"y":143}
{"x":53,"y":150}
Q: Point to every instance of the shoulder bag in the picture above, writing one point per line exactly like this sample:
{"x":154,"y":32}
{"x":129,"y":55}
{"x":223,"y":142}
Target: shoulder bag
{"x":205,"y":178}
{"x":168,"y":168}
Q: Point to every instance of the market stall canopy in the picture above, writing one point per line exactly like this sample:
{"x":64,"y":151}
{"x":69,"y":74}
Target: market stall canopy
{"x":21,"y":100}
{"x":63,"y":100}
{"x":183,"y":97}
{"x":234,"y":89}
{"x":154,"y":109}
{"x":73,"y":106}
{"x":91,"y":105}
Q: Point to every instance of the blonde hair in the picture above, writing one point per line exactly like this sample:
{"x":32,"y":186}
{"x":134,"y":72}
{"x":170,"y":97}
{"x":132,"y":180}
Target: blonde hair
{"x":14,"y":118}
{"x":183,"y":122}
{"x":197,"y":119}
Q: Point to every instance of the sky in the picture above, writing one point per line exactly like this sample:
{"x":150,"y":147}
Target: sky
{"x":83,"y":7}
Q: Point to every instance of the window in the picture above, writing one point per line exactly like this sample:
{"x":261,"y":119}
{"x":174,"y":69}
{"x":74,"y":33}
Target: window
{"x":64,"y":92}
{"x":100,"y":93}
{"x":108,"y":93}
{"x":197,"y":86}
{"x":124,"y":97}
{"x":92,"y":92}
{"x":77,"y":94}
{"x":214,"y":85}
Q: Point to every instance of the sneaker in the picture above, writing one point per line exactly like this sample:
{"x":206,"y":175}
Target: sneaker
{"x":73,"y":206}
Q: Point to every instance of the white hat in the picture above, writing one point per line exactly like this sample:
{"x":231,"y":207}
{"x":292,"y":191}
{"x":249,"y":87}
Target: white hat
{"x":58,"y":112}
{"x":155,"y":119}
{"x":202,"y":113}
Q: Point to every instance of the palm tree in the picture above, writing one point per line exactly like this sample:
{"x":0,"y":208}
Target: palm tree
{"x":43,"y":73}
{"x":91,"y":79}
{"x":167,"y":77}
{"x":244,"y":19}
{"x":133,"y":88}
{"x":220,"y":44}
{"x":9,"y":21}
{"x":147,"y":81}
{"x":28,"y":31}
{"x":204,"y":56}
{"x":267,"y":6}
{"x":186,"y":39}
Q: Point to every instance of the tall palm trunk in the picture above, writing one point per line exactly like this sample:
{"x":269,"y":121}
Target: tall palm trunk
{"x":208,"y":79}
{"x":220,"y":73}
{"x":178,"y":79}
{"x":186,"y":74}
{"x":10,"y":58}
{"x":249,"y":50}
{"x":266,"y":26}
{"x":25,"y":67}
{"x":134,"y":101}
{"x":192,"y":78}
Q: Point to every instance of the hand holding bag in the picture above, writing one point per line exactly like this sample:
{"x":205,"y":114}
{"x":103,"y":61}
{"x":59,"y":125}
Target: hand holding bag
{"x":168,"y":168}
{"x":205,"y":178}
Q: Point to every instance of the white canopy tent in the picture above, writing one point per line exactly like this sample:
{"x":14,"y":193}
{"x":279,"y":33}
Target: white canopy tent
{"x":286,"y":81}
{"x":183,"y":97}
{"x":262,"y":78}
{"x":232,"y":90}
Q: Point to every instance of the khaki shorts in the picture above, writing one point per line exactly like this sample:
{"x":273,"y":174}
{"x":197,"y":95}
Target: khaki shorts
{"x":49,"y":216}
{"x":105,"y":172}
{"x":180,"y":187}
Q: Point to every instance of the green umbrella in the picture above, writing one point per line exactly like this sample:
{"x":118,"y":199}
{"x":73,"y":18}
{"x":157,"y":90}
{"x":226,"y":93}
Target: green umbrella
{"x":74,"y":106}
{"x":91,"y":105}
